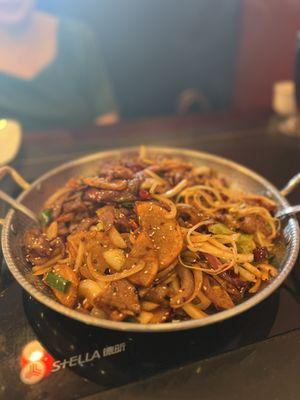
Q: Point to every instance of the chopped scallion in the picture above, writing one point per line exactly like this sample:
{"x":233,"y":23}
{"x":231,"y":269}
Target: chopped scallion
{"x":57,"y":282}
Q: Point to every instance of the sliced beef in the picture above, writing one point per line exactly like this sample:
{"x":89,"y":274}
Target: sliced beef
{"x":188,"y":214}
{"x":232,"y":278}
{"x":252,"y":223}
{"x":66,"y":217}
{"x":228,"y":284}
{"x":159,"y":294}
{"x":113,"y":171}
{"x":135,"y":164}
{"x":63,"y":230}
{"x":120,"y":296}
{"x":99,"y":196}
{"x":74,"y":203}
{"x":36,"y":242}
{"x":134,"y":183}
{"x":107,"y":215}
{"x":126,"y":219}
{"x":39,"y":248}
{"x":85,"y":224}
{"x":227,"y":279}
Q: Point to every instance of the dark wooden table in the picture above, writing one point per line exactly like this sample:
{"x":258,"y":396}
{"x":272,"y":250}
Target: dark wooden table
{"x":265,"y":370}
{"x":241,"y":137}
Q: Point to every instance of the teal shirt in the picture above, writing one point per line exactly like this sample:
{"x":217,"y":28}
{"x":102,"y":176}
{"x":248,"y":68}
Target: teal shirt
{"x":73,"y":90}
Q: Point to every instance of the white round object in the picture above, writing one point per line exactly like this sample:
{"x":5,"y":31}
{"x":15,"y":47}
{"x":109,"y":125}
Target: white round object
{"x":10,"y":140}
{"x":284,"y":100}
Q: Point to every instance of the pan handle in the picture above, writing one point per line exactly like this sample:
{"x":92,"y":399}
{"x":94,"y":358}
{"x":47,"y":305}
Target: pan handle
{"x":19,"y":180}
{"x":291,"y":185}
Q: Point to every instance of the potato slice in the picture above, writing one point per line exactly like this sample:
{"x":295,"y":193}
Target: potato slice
{"x":165,"y":233}
{"x":69,"y":298}
{"x":143,"y":249}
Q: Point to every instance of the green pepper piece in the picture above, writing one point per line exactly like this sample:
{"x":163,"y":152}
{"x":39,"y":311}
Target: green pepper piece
{"x":45,"y":217}
{"x":245,"y":243}
{"x":57,"y":282}
{"x":220,"y":229}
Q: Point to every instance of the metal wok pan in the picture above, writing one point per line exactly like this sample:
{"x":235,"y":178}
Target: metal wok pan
{"x":15,"y":224}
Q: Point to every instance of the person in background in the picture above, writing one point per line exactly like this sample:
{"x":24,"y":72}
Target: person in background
{"x":50,"y":71}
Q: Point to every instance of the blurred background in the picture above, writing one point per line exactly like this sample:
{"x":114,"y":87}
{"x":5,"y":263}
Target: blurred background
{"x":230,"y":51}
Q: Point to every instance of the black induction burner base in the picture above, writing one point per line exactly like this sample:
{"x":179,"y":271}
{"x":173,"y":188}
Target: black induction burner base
{"x":138,"y":355}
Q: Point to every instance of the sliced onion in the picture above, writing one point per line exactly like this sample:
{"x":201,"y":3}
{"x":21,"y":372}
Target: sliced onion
{"x":144,"y":317}
{"x":97,"y":312}
{"x":114,"y":277}
{"x":89,"y":289}
{"x":149,"y":305}
{"x":116,"y":238}
{"x":52,"y":230}
{"x":115,"y":258}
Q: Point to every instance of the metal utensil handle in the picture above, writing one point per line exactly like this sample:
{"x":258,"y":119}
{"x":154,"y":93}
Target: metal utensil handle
{"x":288,"y":211}
{"x":18,"y":206}
{"x":288,"y":188}
{"x":291,"y":185}
{"x":16,"y":177}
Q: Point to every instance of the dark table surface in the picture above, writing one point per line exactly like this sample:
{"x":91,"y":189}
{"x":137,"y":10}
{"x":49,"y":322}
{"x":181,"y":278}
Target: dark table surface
{"x":266,"y":369}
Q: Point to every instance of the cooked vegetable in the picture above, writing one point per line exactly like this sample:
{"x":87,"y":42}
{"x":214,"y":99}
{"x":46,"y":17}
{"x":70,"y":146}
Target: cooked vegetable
{"x":52,"y":230}
{"x":220,"y":229}
{"x":45,"y":217}
{"x":144,"y":317}
{"x":115,"y":258}
{"x":57,"y":282}
{"x":99,"y":227}
{"x":89,"y":289}
{"x":116,"y":238}
{"x":245,"y":243}
{"x":148,"y":305}
{"x":69,"y":297}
